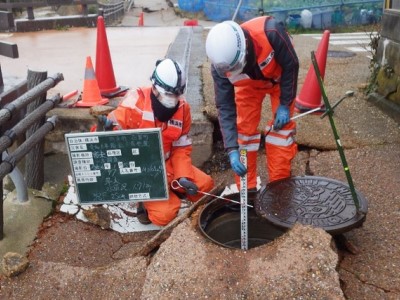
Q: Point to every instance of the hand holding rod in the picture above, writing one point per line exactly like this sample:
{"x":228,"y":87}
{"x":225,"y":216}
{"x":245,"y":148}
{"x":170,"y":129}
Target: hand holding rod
{"x":176,"y":185}
{"x":346,"y":95}
{"x":296,"y":117}
{"x":305,"y":113}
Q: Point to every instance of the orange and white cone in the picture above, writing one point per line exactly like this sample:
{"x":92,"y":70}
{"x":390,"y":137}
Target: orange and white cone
{"x":91,"y":95}
{"x":310,"y":94}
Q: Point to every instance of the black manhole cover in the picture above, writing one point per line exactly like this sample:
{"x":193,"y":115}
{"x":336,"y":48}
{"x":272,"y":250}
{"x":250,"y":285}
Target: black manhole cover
{"x":309,"y":200}
{"x":336,"y":53}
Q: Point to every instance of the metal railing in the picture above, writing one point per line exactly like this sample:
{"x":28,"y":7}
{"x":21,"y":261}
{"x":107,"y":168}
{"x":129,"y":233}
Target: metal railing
{"x":112,"y":12}
{"x":30,"y":5}
{"x":9,"y":161}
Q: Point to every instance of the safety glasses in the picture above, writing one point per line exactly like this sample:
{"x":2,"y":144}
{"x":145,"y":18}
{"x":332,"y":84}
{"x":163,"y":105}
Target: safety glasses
{"x":225,"y":70}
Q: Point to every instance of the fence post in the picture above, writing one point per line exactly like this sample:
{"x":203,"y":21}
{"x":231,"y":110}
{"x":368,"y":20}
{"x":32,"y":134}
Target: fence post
{"x":85,"y":10}
{"x":34,"y":162}
{"x":29,"y":11}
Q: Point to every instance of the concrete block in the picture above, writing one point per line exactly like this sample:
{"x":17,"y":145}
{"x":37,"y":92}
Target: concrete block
{"x":55,"y":22}
{"x":22,"y":221}
{"x":388,"y":53}
{"x":202,"y":139}
{"x":6,"y":21}
{"x":188,"y":49}
{"x":390,"y":25}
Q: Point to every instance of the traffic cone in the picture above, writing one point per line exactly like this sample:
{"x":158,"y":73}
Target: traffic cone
{"x":141,"y":21}
{"x":310,"y":94}
{"x":91,"y":95}
{"x":104,"y":69}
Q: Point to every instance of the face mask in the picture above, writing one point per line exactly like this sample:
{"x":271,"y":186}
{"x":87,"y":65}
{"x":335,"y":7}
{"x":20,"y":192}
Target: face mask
{"x":168,"y":101}
{"x":161,"y":112}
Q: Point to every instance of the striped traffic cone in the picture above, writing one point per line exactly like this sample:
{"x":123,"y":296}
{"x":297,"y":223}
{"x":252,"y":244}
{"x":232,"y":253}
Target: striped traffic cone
{"x":310,"y":94}
{"x":91,"y":95}
{"x":104,"y":68}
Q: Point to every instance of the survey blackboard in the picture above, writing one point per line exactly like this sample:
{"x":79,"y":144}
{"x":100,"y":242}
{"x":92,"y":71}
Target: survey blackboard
{"x":118,"y":166}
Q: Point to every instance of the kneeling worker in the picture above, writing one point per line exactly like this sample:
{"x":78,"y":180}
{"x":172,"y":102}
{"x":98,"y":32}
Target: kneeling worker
{"x":162,"y":105}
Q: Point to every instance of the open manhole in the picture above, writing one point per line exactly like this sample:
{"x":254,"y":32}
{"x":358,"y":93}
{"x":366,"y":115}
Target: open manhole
{"x":219,"y":221}
{"x":340,"y":54}
{"x":310,"y":200}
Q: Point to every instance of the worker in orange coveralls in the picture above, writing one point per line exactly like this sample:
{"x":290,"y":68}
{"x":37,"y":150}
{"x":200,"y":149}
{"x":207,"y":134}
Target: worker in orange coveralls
{"x":162,"y":105}
{"x":250,"y":61}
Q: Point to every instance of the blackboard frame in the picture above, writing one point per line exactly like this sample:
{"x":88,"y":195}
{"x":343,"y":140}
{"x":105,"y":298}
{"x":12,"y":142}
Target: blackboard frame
{"x":111,"y":167}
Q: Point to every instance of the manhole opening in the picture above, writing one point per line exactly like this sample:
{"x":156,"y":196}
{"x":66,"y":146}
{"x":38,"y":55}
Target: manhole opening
{"x":219,"y":221}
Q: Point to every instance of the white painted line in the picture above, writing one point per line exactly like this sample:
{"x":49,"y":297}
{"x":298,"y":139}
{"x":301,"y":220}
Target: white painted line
{"x":347,"y":37}
{"x":340,"y":34}
{"x":349,"y":42}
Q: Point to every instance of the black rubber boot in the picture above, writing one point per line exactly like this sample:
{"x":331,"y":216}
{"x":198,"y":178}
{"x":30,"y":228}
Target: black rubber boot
{"x":141,"y":214}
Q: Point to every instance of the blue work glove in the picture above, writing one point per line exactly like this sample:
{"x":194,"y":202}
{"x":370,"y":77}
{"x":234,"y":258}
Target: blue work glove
{"x":282,"y":117}
{"x":188,"y":185}
{"x":107,"y":123}
{"x":236,"y":165}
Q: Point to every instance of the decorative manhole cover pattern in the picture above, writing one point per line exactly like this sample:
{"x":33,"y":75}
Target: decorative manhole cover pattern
{"x":337,"y":53}
{"x":309,"y":200}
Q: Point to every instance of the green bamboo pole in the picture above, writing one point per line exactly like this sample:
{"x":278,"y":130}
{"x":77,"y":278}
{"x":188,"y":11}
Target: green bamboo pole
{"x":335,"y":133}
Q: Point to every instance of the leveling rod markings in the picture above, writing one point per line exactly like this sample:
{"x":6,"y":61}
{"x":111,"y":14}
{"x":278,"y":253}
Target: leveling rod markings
{"x":243,"y":203}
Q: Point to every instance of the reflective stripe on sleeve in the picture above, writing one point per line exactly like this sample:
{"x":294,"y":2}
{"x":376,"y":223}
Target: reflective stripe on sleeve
{"x":184,"y":140}
{"x":148,"y":116}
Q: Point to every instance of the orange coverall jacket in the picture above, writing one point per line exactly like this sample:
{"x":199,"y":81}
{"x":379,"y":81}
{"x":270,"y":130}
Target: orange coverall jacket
{"x":135,"y":112}
{"x":271,"y":69}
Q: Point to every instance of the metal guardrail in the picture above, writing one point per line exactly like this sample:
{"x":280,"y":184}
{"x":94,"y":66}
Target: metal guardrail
{"x":8,"y":110}
{"x":8,"y":161}
{"x":112,"y":12}
{"x":43,"y":3}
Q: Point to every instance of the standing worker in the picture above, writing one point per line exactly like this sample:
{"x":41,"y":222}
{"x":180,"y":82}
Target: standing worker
{"x":162,"y":105}
{"x":248,"y":62}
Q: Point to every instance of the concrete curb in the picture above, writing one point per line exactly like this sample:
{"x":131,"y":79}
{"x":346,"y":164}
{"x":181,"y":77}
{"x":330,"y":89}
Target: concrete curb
{"x":188,"y":50}
{"x":388,"y":107}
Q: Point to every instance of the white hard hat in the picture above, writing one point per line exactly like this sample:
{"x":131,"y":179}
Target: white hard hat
{"x":226,"y":48}
{"x":169,"y":77}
